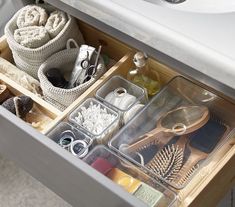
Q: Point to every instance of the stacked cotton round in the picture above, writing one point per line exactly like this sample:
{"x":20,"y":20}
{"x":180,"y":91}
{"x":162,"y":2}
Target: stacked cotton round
{"x":33,"y":36}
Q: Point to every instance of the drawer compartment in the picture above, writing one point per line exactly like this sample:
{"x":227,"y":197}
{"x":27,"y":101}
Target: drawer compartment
{"x":130,"y":178}
{"x":112,"y":50}
{"x":41,"y":113}
{"x":69,"y":176}
{"x":216,"y":161}
{"x":181,"y":128}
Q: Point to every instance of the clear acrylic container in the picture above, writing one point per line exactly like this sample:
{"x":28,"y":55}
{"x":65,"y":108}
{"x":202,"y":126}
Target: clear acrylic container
{"x":176,"y":132}
{"x":122,"y":95}
{"x":103,"y":135}
{"x":71,"y":139}
{"x":132,"y":179}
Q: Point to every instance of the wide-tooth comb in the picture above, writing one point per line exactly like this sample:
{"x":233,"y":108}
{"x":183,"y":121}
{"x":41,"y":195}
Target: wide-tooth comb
{"x":167,"y":162}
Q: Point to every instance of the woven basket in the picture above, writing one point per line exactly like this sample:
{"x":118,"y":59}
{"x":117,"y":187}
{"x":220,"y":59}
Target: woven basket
{"x":29,"y":59}
{"x":64,"y":60}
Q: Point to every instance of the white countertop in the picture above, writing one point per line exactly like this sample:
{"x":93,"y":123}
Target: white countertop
{"x":205,"y":42}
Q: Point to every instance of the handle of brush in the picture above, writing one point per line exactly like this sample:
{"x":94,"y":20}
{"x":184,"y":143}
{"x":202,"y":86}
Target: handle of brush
{"x":146,"y":138}
{"x":182,"y":141}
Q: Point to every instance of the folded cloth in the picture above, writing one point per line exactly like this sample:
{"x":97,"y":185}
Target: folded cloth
{"x":32,"y":15}
{"x":32,"y":36}
{"x":20,"y":77}
{"x":56,"y":22}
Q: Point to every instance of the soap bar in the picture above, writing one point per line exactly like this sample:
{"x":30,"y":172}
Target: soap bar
{"x":128,"y":182}
{"x":102,"y":165}
{"x":148,"y":195}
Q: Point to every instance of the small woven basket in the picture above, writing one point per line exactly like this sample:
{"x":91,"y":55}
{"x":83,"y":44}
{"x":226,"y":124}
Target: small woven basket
{"x":29,"y":59}
{"x":65,"y":61}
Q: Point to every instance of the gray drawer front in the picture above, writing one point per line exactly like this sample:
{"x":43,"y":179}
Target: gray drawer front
{"x":69,"y":177}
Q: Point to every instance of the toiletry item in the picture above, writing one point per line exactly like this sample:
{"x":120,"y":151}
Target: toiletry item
{"x":167,"y":162}
{"x":143,"y":75}
{"x":102,"y":165}
{"x":148,"y":195}
{"x":146,"y":153}
{"x":4,"y":93}
{"x":56,"y":78}
{"x":94,"y":118}
{"x":131,"y":112}
{"x":79,"y":148}
{"x":123,"y":96}
{"x":120,"y":98}
{"x":208,"y":136}
{"x":129,"y":183}
{"x":182,"y":120}
{"x":66,"y":138}
{"x":92,"y":69}
{"x":82,"y":64}
{"x":71,"y":139}
{"x":201,"y":143}
{"x":19,"y":105}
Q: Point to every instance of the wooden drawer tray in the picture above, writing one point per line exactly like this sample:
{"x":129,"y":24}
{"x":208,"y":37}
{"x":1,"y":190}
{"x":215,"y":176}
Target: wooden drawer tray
{"x":41,"y":114}
{"x":204,"y":190}
{"x":188,"y":195}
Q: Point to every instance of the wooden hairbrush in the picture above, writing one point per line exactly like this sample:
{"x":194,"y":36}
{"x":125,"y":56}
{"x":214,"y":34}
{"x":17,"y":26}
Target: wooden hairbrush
{"x":201,"y":143}
{"x":182,"y":120}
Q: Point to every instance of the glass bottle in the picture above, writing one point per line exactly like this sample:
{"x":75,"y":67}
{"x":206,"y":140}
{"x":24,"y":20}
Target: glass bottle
{"x":143,"y":76}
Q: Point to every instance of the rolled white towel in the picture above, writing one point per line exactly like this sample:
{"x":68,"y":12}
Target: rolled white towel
{"x":32,"y":15}
{"x":31,"y":37}
{"x":56,"y":22}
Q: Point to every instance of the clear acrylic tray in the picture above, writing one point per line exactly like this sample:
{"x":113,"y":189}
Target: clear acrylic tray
{"x":103,"y":135}
{"x":71,"y":139}
{"x":176,"y":132}
{"x":132,"y":179}
{"x":122,"y":95}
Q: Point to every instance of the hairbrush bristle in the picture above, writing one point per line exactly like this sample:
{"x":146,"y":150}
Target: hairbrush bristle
{"x":218,"y":120}
{"x":142,"y":147}
{"x":167,"y":162}
{"x":184,"y":179}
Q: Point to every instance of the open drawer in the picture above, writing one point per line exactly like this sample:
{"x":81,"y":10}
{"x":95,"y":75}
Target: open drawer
{"x":71,"y":178}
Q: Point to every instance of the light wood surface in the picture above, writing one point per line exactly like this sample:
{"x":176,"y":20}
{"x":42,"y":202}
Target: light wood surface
{"x":18,"y":89}
{"x":5,"y":51}
{"x":39,"y":116}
